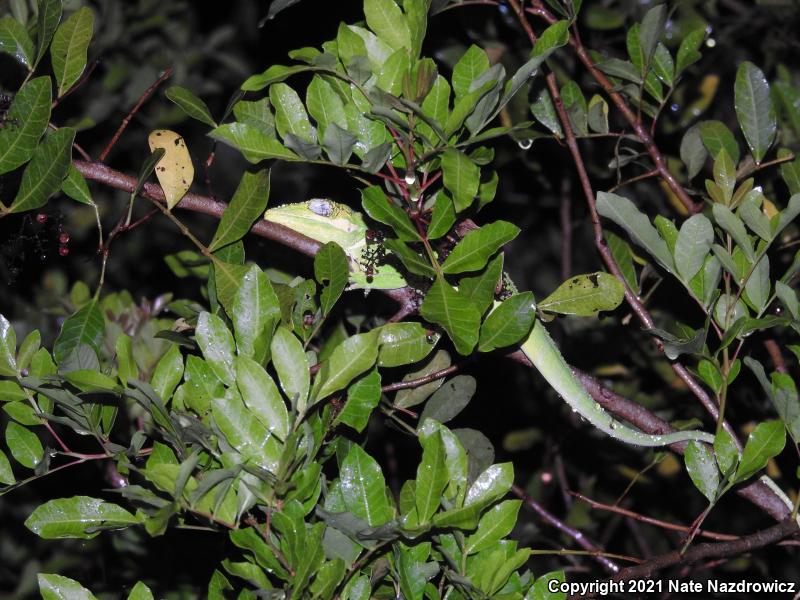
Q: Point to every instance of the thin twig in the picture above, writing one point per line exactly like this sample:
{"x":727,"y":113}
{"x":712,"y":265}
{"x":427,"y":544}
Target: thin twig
{"x":415,"y":383}
{"x":142,"y":99}
{"x":722,"y":537}
{"x":579,"y":537}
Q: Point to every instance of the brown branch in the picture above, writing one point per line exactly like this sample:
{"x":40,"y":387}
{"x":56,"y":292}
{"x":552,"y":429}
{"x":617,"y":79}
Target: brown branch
{"x":415,"y":383}
{"x":142,"y":99}
{"x":579,"y":537}
{"x":622,"y":106}
{"x":755,"y":541}
{"x":721,"y":537}
{"x":774,"y":351}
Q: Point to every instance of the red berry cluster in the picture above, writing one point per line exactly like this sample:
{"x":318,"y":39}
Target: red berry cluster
{"x":63,"y":236}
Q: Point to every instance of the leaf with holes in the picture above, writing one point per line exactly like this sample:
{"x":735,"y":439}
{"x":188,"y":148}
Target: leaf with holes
{"x":585,"y":295}
{"x":175,"y":170}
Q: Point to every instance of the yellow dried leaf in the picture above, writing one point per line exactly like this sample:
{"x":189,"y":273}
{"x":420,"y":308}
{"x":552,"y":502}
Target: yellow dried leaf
{"x":175,"y":171}
{"x":770,"y":209}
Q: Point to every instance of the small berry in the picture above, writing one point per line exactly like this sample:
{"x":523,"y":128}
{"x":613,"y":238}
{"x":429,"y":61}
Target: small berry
{"x":41,"y":218}
{"x":63,"y":250}
{"x":63,"y":238}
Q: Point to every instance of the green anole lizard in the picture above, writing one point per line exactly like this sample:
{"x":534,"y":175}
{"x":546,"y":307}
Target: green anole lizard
{"x":327,"y":221}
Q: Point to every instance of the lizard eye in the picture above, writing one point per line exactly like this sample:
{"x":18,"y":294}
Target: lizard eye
{"x":323,"y":208}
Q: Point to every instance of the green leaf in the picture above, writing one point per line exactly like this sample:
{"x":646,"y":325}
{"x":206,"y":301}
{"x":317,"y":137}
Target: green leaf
{"x":652,"y":29}
{"x":261,"y":396}
{"x":247,"y":205}
{"x":784,"y":398}
{"x":757,"y":286}
{"x":725,"y":451}
{"x":461,"y":178}
{"x":716,"y":136}
{"x":331,"y":266}
{"x":216,"y":343}
{"x":480,"y":289}
{"x":597,"y":115}
{"x":168,"y":373}
{"x":27,"y":121}
{"x":473,"y":63}
{"x":252,"y":142}
{"x":585,"y":295}
{"x":663,"y":65}
{"x":256,"y":309}
{"x":620,"y":68}
{"x":364,"y":488}
{"x":69,"y":48}
{"x":404,"y":344}
{"x":754,"y":109}
{"x":325,"y":104}
{"x":624,"y":213}
{"x":191,"y":104}
{"x":43,"y":175}
{"x":140,"y":592}
{"x":508,"y":323}
{"x":494,"y":525}
{"x":450,"y":399}
{"x":48,"y":19}
{"x":8,"y":348}
{"x":765,"y":442}
{"x":455,"y":313}
{"x":475,"y":249}
{"x":248,"y":435}
{"x":734,"y":226}
{"x":24,"y":445}
{"x":273,"y":74}
{"x":490,"y":485}
{"x":443,"y":217}
{"x":693,"y":245}
{"x":412,"y":260}
{"x":291,"y":364}
{"x":74,"y":186}
{"x":290,"y":114}
{"x":545,"y":113}
{"x":790,"y":171}
{"x":349,"y":359}
{"x":431,"y":477}
{"x":379,"y":207}
{"x":6,"y":473}
{"x":688,"y":52}
{"x":338,"y":144}
{"x":86,"y":326}
{"x":386,"y":19}
{"x":79,"y":517}
{"x":14,"y":40}
{"x":702,"y":469}
{"x":57,"y":587}
{"x":693,"y":151}
{"x":362,"y":397}
{"x":127,"y":365}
